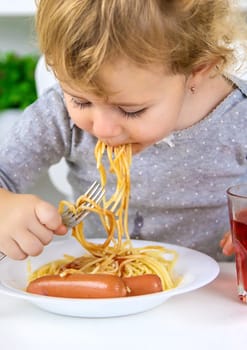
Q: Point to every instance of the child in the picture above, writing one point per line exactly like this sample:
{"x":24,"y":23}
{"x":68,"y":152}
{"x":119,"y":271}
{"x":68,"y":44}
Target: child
{"x":151,"y":73}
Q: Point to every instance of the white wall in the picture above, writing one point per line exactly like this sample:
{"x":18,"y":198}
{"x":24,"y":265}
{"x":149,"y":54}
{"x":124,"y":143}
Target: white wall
{"x":17,"y":34}
{"x":17,"y":26}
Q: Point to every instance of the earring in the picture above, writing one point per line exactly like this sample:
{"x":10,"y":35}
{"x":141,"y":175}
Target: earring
{"x":192,"y":89}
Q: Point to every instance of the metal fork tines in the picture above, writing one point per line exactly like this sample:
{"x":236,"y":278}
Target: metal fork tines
{"x":95,"y":193}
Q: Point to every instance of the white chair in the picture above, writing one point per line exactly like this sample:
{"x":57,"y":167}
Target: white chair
{"x":44,"y":78}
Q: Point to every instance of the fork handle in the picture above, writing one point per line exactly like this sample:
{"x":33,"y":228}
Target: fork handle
{"x":2,"y":256}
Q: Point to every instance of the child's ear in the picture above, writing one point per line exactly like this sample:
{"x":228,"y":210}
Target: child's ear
{"x":200,"y":73}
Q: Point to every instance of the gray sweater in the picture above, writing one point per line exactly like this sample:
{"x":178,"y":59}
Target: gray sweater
{"x":178,"y":186}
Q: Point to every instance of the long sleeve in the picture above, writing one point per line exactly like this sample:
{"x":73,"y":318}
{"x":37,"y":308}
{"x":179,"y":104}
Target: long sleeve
{"x":37,"y":140}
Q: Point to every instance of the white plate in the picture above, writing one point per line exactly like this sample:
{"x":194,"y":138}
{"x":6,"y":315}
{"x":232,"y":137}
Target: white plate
{"x":196,"y":268}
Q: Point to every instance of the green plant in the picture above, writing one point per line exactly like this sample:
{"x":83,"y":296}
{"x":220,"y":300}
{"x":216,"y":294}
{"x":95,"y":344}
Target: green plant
{"x":17,"y":84}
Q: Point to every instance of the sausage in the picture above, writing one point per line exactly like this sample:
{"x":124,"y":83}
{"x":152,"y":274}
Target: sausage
{"x":144,"y":284}
{"x":79,"y":286}
{"x":95,"y":285}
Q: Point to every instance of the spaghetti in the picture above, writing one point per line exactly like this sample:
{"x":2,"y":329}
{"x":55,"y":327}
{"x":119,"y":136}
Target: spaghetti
{"x":116,"y":255}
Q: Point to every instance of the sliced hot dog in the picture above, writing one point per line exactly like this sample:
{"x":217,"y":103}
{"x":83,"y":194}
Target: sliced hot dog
{"x":145,"y":284}
{"x":79,"y":286}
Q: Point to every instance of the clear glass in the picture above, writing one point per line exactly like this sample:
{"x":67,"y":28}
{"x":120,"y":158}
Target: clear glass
{"x":237,"y":205}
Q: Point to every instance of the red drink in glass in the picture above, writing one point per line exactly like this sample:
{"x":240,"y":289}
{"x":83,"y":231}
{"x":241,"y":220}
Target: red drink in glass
{"x":237,"y":204}
{"x":239,"y":235}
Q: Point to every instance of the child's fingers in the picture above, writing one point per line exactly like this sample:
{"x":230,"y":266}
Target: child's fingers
{"x":61,"y":230}
{"x":29,"y":243}
{"x":226,"y":244}
{"x":12,"y":249}
{"x":224,"y":239}
{"x":40,"y":231}
{"x":48,"y":215}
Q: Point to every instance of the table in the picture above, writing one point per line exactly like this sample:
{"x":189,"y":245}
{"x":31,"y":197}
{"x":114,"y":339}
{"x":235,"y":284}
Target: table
{"x":211,"y":317}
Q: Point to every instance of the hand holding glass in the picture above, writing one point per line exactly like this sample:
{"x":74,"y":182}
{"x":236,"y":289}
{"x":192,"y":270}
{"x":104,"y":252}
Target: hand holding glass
{"x":237,"y":205}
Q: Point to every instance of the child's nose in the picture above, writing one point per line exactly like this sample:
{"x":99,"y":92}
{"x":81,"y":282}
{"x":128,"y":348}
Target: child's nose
{"x":106,"y":125}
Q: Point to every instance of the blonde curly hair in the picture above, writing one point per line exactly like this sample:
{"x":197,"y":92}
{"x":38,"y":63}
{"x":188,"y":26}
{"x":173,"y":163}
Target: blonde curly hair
{"x":78,"y":36}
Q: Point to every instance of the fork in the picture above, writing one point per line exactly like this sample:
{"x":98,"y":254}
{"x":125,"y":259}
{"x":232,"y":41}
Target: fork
{"x":95,"y":193}
{"x":70,"y":219}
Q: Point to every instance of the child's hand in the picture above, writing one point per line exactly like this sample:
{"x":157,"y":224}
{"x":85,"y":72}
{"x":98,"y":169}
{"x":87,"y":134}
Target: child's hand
{"x":226,"y":244}
{"x":27,"y":224}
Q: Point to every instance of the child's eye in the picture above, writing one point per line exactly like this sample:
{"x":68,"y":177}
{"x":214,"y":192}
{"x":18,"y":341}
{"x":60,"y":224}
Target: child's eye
{"x":80,"y":104}
{"x":135,"y":114}
{"x":85,"y":104}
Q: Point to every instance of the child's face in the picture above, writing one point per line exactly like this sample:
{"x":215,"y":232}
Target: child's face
{"x":145,"y":108}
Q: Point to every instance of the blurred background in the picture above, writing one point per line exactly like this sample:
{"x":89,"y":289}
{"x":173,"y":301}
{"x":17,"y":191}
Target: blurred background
{"x":19,"y":55}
